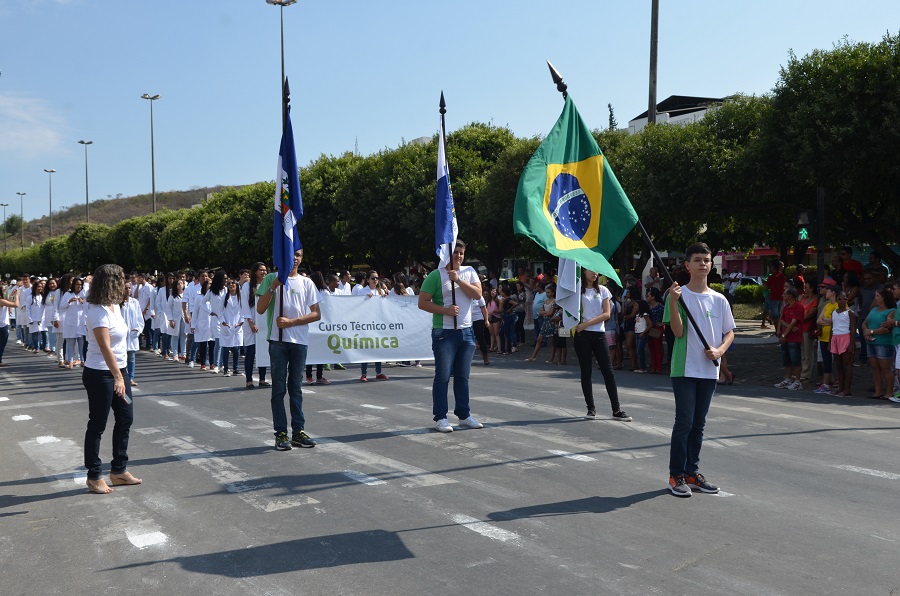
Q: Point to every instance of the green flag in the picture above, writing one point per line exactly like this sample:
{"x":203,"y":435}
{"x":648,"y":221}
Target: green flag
{"x":569,"y":200}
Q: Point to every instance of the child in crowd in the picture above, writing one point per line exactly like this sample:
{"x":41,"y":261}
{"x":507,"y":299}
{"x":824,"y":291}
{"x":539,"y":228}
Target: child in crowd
{"x":828,"y":288}
{"x":843,"y":345}
{"x":790,"y":336}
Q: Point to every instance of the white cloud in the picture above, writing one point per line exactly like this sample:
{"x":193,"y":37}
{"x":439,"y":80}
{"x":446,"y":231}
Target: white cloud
{"x":28,"y":126}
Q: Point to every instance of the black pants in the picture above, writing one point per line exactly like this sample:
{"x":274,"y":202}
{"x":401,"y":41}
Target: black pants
{"x":319,"y":369}
{"x":593,"y":343}
{"x":481,"y":336}
{"x":99,"y":385}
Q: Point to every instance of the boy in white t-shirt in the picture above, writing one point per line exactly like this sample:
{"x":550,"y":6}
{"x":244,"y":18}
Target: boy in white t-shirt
{"x":291,"y":306}
{"x":694,"y":373}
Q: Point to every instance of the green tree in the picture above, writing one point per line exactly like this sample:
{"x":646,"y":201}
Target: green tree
{"x":87,"y":247}
{"x":835,"y":123}
{"x":13,"y":225}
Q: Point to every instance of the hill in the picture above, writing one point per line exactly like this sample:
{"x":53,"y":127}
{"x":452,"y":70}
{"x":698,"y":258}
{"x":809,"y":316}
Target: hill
{"x":106,"y":211}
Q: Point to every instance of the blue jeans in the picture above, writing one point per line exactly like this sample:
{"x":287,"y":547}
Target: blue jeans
{"x":129,"y":366}
{"x":642,"y":350}
{"x":508,"y":333}
{"x":538,"y":325}
{"x":288,"y":364}
{"x":453,"y":350}
{"x":364,"y":368}
{"x":39,"y":340}
{"x":692,"y":399}
{"x":224,"y":357}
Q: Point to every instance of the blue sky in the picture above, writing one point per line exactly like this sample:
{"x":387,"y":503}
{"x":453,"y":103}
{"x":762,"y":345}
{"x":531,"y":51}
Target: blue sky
{"x":372,"y":71}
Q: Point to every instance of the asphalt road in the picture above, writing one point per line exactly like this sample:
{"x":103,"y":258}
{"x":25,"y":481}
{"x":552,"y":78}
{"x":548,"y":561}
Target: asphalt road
{"x":540,"y":501}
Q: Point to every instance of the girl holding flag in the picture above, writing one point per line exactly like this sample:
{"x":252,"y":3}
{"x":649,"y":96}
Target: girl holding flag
{"x":590,"y":342}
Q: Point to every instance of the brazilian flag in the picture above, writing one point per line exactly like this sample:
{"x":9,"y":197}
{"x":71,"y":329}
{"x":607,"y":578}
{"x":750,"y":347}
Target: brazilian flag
{"x":569,"y":200}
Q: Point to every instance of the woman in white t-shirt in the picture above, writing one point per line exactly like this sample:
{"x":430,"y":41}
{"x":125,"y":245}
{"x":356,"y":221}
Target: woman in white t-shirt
{"x":72,"y":303}
{"x":590,"y":342}
{"x":104,"y":379}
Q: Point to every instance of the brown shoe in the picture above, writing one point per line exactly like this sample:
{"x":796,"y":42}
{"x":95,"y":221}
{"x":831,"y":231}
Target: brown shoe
{"x":124,"y":479}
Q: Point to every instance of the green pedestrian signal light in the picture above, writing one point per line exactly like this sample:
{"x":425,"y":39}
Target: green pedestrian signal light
{"x":804,"y":234}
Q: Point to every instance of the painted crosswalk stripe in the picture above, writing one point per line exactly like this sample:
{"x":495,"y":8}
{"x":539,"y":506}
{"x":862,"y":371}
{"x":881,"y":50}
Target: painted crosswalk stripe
{"x":222,"y":423}
{"x":485,"y":529}
{"x":362,"y":478}
{"x":46,"y":439}
{"x":21,"y":417}
{"x":870,"y":472}
{"x":252,"y":491}
{"x":370,"y":406}
{"x":575,"y":456}
{"x":169,"y":404}
{"x":392,"y":468}
{"x":4,"y":399}
{"x":146,"y":539}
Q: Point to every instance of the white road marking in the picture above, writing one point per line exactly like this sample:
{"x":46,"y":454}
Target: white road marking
{"x":575,"y":456}
{"x":46,"y":439}
{"x":145,"y":540}
{"x":232,"y":478}
{"x":43,"y":404}
{"x":870,"y":472}
{"x":882,"y":538}
{"x":4,"y":399}
{"x":222,"y":423}
{"x":722,"y":493}
{"x":11,"y":379}
{"x":21,"y":417}
{"x":485,"y":529}
{"x":169,"y":404}
{"x":372,"y":407}
{"x":363,"y":478}
{"x":394,"y":469}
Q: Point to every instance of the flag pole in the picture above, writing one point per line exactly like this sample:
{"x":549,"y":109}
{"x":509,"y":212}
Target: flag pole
{"x":285,"y":104}
{"x":450,"y":248}
{"x":562,"y":88}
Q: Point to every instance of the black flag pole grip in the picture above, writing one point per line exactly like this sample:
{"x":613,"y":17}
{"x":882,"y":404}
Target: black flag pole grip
{"x":670,"y":281}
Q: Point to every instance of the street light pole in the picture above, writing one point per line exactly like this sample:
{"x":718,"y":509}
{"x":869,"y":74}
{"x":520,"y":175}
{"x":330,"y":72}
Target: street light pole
{"x":5,"y":236}
{"x":50,"y":177}
{"x":22,"y":216}
{"x":87,"y":204}
{"x":152,"y":98}
{"x":281,"y":4}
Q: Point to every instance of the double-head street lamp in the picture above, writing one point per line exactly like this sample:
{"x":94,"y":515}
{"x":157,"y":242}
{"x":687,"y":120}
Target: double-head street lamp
{"x":50,"y":178}
{"x":22,"y":216}
{"x":87,"y":204}
{"x":152,"y":98}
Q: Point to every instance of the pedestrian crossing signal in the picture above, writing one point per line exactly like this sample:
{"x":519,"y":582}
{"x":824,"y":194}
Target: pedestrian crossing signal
{"x":804,"y":234}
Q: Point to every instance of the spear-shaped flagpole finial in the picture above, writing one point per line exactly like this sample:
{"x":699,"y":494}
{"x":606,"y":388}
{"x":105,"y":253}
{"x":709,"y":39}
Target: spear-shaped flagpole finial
{"x":557,"y":78}
{"x":443,"y":104}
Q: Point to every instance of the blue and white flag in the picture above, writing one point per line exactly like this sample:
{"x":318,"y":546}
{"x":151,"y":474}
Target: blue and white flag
{"x":288,"y":205}
{"x":568,"y":292}
{"x":445,"y":228}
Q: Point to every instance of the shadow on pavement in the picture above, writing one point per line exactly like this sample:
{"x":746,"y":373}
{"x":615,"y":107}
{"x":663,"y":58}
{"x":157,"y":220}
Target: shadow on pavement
{"x":352,"y":548}
{"x":576,"y":506}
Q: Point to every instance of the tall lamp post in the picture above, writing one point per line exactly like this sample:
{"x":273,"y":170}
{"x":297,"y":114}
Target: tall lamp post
{"x":22,"y":216}
{"x":281,"y":4}
{"x":50,"y":178}
{"x":152,"y":98}
{"x":87,"y":204}
{"x":4,"y":205}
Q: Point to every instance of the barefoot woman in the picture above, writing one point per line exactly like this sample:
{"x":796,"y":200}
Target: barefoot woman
{"x":104,"y":379}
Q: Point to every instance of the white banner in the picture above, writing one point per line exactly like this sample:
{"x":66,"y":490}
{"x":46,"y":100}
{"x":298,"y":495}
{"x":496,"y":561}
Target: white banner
{"x":362,"y":329}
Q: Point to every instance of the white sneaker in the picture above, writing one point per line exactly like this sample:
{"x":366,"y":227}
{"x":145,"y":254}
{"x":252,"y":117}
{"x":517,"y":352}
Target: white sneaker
{"x":795,"y":386}
{"x":227,"y":373}
{"x":18,"y":342}
{"x":191,"y":364}
{"x":784,"y":384}
{"x":470,"y":422}
{"x":442,"y":426}
{"x":214,"y":370}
